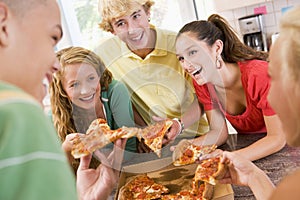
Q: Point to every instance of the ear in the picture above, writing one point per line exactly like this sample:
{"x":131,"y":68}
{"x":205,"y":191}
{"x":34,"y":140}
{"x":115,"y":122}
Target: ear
{"x":148,"y":14}
{"x":218,"y":46}
{"x":3,"y":24}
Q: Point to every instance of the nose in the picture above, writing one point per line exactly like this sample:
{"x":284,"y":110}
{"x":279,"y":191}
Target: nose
{"x":55,"y":66}
{"x":187,"y":66}
{"x":131,"y":26}
{"x":84,"y":89}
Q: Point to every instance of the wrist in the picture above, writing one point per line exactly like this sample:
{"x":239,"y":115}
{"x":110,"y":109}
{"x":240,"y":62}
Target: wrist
{"x":181,"y":125}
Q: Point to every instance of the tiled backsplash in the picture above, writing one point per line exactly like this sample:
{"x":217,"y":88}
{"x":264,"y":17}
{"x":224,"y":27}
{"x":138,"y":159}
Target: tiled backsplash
{"x":272,"y":16}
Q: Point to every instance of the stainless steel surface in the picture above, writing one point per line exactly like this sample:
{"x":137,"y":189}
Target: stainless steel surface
{"x":253,"y":31}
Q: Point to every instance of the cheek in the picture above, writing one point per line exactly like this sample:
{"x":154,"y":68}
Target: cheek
{"x":70,"y":92}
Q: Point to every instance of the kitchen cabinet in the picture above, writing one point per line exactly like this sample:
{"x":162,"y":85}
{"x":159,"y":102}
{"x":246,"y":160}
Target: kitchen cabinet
{"x":222,"y":5}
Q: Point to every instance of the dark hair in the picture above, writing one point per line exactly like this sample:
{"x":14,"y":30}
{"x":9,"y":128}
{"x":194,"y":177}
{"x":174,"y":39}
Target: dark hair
{"x":216,"y":27}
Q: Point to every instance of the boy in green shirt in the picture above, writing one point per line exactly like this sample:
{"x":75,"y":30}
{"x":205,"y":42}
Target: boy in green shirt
{"x":32,"y":163}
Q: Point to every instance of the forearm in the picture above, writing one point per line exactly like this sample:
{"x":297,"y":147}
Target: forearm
{"x":261,"y":185}
{"x":217,"y":137}
{"x":263,"y":147}
{"x":193,"y":114}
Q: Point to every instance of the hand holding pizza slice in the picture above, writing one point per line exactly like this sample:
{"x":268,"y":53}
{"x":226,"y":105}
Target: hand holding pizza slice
{"x":99,"y":135}
{"x":153,"y":135}
{"x":187,"y":153}
{"x":210,"y":171}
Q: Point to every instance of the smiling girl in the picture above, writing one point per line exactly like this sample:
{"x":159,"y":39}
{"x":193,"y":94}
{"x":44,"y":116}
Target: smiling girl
{"x":84,"y":90}
{"x":231,"y":81}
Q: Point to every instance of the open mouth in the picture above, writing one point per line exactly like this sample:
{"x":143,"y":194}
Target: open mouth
{"x":87,"y":98}
{"x":137,"y":38}
{"x":196,"y":71}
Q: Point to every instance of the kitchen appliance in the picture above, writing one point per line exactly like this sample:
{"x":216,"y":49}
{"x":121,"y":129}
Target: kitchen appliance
{"x":253,"y":32}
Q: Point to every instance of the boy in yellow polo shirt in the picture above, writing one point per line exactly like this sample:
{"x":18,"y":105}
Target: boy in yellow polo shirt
{"x":143,"y":57}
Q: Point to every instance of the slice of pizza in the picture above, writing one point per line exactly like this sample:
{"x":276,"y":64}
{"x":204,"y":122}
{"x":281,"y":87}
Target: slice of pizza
{"x":153,"y":135}
{"x":142,"y":187}
{"x":209,"y":171}
{"x":202,"y":189}
{"x":99,"y":135}
{"x":187,"y":153}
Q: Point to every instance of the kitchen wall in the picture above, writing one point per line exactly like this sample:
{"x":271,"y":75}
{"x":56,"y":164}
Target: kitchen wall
{"x":272,"y":16}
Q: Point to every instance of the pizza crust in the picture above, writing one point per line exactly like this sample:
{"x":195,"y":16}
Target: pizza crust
{"x":99,"y":135}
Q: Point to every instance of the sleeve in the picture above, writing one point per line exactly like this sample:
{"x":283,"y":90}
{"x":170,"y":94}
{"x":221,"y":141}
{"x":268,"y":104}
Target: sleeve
{"x":258,"y":87}
{"x":120,"y":105}
{"x":32,"y":164}
{"x":205,"y":97}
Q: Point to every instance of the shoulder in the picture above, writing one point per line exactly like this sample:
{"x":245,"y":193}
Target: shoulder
{"x":288,"y":187}
{"x":255,"y":73}
{"x":116,"y":86}
{"x":167,"y":38}
{"x":117,"y":90}
{"x":109,"y":49}
{"x":255,"y":67}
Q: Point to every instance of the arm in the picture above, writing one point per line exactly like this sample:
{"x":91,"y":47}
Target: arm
{"x":243,"y":172}
{"x":218,"y":132}
{"x":192,"y":114}
{"x":99,"y":183}
{"x":271,"y":143}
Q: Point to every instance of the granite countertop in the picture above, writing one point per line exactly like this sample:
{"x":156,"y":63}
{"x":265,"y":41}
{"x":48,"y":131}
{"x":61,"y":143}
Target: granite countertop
{"x":276,"y":166}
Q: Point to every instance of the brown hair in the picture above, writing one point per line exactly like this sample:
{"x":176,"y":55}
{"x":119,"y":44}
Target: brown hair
{"x":216,"y":27}
{"x":111,"y":9}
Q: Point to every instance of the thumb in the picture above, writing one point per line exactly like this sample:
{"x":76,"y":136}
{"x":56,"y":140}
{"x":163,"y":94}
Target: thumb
{"x":85,"y":162}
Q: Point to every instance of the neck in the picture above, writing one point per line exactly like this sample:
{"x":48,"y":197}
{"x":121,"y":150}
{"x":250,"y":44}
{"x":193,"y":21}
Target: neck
{"x":231,"y":76}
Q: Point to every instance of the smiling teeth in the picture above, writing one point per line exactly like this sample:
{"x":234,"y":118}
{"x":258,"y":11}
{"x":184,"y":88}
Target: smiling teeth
{"x":197,"y":69}
{"x":88,"y":98}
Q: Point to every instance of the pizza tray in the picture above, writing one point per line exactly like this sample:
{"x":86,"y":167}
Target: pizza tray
{"x":175,"y":178}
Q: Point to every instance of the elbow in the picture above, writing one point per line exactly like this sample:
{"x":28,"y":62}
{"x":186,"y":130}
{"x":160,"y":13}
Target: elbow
{"x":280,"y":143}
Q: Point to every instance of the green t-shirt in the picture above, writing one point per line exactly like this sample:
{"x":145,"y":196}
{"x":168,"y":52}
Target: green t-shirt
{"x":32,"y":163}
{"x":118,"y":109}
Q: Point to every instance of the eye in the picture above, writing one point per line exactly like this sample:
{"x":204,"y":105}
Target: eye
{"x":92,"y":78}
{"x":192,"y":52}
{"x":74,"y":85}
{"x":136,"y":16}
{"x":119,"y":24}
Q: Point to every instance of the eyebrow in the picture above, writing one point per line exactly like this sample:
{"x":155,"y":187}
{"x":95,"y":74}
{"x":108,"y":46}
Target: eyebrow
{"x":130,"y":16}
{"x":135,"y":13}
{"x":187,"y":49}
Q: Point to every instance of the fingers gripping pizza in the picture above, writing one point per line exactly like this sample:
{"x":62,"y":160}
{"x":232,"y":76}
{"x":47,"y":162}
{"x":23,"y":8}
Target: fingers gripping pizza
{"x":187,"y":153}
{"x":209,"y":171}
{"x":99,"y":135}
{"x":153,"y":135}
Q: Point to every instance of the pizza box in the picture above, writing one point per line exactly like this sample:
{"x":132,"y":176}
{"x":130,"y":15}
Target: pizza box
{"x":175,"y":178}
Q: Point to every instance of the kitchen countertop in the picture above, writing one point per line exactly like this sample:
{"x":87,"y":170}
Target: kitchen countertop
{"x":276,"y":166}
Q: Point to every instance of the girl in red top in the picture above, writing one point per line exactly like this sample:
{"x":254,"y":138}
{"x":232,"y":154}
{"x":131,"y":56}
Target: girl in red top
{"x":231,"y":82}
